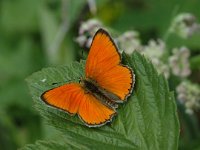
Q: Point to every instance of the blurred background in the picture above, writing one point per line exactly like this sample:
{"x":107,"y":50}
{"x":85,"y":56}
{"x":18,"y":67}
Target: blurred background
{"x":39,"y":33}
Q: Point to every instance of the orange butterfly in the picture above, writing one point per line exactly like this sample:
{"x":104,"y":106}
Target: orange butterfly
{"x":107,"y":82}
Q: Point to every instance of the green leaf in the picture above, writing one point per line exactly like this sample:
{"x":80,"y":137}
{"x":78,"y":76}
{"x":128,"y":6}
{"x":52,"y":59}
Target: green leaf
{"x":41,"y":145}
{"x":148,"y":120}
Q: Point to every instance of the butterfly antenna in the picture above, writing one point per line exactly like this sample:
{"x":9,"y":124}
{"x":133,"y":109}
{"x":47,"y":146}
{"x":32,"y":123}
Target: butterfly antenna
{"x":56,"y":83}
{"x":73,"y":79}
{"x":80,"y":79}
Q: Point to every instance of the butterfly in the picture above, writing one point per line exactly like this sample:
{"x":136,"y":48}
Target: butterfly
{"x":106,"y":84}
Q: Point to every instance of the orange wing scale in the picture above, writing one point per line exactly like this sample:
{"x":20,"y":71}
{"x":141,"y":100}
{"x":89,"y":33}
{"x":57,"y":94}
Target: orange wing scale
{"x":103,"y":66}
{"x":73,"y":99}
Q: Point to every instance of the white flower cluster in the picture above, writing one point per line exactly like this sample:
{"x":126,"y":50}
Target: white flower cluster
{"x":185,"y":25}
{"x":129,"y":41}
{"x":189,"y":95}
{"x":155,"y":51}
{"x":87,"y":31}
{"x":179,"y":62}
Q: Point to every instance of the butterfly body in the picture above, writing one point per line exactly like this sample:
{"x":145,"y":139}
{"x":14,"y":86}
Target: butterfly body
{"x":105,"y":97}
{"x":106,"y":84}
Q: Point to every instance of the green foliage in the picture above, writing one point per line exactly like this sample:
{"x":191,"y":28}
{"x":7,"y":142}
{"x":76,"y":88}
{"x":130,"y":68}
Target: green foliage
{"x":194,"y":62}
{"x":57,"y":47}
{"x":20,"y":16}
{"x":148,"y":120}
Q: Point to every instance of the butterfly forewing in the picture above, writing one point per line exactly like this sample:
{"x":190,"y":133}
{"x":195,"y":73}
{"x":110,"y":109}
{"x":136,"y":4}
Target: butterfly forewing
{"x":103,"y":66}
{"x":73,"y":99}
